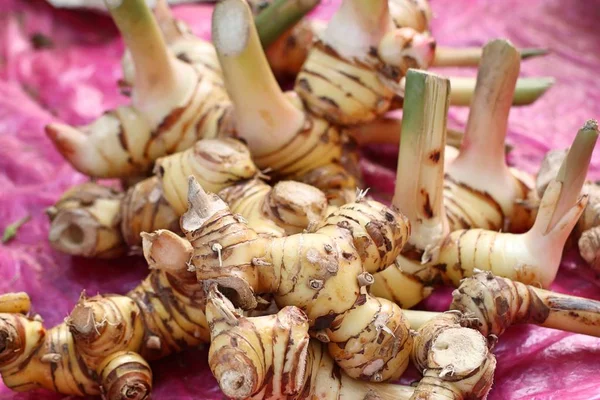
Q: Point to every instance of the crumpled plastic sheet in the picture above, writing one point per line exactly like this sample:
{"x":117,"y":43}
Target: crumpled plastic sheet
{"x":71,"y":77}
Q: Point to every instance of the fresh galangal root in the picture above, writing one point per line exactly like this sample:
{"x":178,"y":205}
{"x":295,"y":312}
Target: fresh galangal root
{"x":95,"y":221}
{"x":324,"y":273}
{"x":492,"y":304}
{"x":532,"y":257}
{"x":92,"y":220}
{"x":273,"y":357}
{"x":105,"y":343}
{"x":281,"y":134}
{"x":467,"y":196}
{"x":456,"y":361}
{"x":173,"y":105}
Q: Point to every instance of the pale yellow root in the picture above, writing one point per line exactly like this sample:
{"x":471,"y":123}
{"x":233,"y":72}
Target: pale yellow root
{"x":173,"y":105}
{"x":493,"y":303}
{"x":271,"y":358}
{"x":280,"y":133}
{"x":92,"y":220}
{"x":15,"y":303}
{"x":145,"y":209}
{"x":86,"y":222}
{"x":532,"y":257}
{"x":215,"y":163}
{"x":481,"y":164}
{"x":344,"y":80}
{"x":320,"y":272}
{"x":456,"y":361}
{"x":105,"y":343}
{"x":285,"y":209}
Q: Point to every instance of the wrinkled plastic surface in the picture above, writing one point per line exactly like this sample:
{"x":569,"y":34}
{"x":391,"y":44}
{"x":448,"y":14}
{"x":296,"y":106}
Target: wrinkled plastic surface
{"x":74,"y":81}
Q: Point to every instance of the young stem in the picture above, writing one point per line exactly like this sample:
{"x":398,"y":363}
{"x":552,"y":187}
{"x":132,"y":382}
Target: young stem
{"x":357,"y":27}
{"x":527,"y":91}
{"x":470,"y":56}
{"x":573,"y":170}
{"x":420,"y":174}
{"x":166,"y":21}
{"x":274,"y":20}
{"x":265,"y":118}
{"x":155,"y":71}
{"x":483,"y":144}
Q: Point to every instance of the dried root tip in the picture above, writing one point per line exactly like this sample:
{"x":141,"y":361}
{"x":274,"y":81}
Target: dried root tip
{"x":475,"y":386}
{"x":15,"y":303}
{"x":12,"y":341}
{"x":457,"y":352}
{"x":427,"y":332}
{"x":166,"y":251}
{"x":86,"y":222}
{"x":406,"y":48}
{"x":295,"y":205}
{"x":201,"y":206}
{"x":83,"y":323}
{"x":125,"y":376}
{"x":244,"y":367}
{"x":365,"y":279}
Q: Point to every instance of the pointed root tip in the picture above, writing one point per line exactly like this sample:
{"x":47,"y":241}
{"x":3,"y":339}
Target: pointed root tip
{"x":198,"y":199}
{"x":64,"y":137}
{"x":533,"y":52}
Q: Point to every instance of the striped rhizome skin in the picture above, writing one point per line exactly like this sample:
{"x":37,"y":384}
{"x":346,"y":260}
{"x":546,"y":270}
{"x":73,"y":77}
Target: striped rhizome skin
{"x":92,"y":220}
{"x":325,"y":273}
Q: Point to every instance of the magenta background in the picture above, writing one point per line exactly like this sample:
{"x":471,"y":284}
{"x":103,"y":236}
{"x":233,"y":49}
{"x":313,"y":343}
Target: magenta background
{"x":75,"y":81}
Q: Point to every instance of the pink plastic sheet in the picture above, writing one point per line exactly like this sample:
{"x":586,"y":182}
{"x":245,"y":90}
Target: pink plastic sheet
{"x":72,"y":78}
